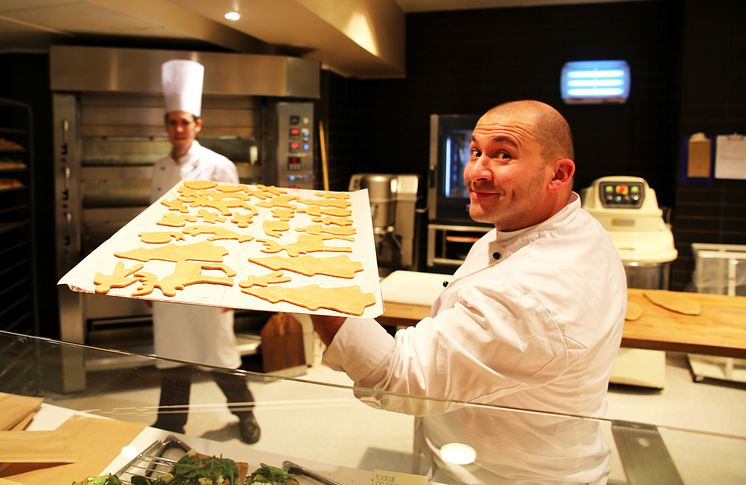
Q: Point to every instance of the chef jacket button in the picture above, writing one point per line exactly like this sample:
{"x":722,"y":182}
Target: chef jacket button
{"x":496,"y":256}
{"x":445,"y":283}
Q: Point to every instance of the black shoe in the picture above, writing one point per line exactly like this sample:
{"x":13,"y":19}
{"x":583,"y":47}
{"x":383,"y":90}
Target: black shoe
{"x":249,"y":428}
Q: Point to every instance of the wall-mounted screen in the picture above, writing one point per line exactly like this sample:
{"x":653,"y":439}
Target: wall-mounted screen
{"x":595,"y":82}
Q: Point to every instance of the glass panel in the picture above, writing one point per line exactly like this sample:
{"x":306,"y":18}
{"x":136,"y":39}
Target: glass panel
{"x":455,"y":156}
{"x":325,"y":427}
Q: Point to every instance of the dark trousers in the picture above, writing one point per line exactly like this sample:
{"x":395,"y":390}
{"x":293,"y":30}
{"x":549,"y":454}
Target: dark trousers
{"x":176,"y":384}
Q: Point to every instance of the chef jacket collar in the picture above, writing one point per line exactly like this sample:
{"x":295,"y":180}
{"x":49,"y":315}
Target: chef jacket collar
{"x":503,"y":241}
{"x":192,"y":155}
{"x":500,"y":245}
{"x":506,"y":238}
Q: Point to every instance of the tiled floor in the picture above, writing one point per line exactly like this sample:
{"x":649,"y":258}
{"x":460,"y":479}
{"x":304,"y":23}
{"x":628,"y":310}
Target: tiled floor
{"x":325,"y":423}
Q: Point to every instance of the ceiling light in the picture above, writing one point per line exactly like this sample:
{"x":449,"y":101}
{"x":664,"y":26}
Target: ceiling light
{"x":232,"y":15}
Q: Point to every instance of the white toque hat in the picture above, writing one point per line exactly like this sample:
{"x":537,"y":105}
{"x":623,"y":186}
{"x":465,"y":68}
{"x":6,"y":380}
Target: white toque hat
{"x":182,"y":85}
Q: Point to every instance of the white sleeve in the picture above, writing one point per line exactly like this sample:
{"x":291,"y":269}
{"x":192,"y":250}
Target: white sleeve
{"x":494,"y":341}
{"x":225,"y":171}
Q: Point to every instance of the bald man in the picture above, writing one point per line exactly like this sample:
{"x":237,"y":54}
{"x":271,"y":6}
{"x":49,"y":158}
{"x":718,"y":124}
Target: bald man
{"x":531,"y":320}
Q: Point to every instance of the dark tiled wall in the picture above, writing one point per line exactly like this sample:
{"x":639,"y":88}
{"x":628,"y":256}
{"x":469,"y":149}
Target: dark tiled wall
{"x":713,"y":100}
{"x":687,"y":61}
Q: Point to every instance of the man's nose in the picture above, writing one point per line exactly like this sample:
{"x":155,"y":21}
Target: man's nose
{"x":480,"y":169}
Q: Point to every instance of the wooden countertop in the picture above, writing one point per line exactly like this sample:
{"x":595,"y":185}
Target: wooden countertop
{"x":719,"y":330}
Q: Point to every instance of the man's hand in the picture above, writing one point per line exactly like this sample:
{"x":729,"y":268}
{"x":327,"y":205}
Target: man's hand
{"x":327,"y":326}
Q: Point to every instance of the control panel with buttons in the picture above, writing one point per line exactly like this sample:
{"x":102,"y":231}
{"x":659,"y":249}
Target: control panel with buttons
{"x":295,"y":145}
{"x":622,"y":194}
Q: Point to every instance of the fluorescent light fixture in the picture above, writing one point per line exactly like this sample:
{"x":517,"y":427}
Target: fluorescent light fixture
{"x":458,"y":453}
{"x":595,"y":82}
{"x":232,"y":15}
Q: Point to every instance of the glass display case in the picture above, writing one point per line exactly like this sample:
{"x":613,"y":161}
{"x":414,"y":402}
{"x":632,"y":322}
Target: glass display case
{"x":322,"y":430}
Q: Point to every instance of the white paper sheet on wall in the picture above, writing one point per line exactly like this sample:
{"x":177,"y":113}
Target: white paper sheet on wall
{"x":730,"y":157}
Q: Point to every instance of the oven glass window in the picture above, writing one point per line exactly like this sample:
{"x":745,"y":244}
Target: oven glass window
{"x":456,"y":156}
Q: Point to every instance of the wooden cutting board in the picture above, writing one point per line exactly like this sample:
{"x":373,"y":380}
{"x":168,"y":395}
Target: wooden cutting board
{"x":16,"y":409}
{"x":719,"y":330}
{"x":35,"y":447}
{"x":96,"y":443}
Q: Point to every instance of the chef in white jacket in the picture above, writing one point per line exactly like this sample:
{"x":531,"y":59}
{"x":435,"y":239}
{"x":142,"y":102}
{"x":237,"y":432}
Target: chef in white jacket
{"x":192,"y":333}
{"x":532,"y":320}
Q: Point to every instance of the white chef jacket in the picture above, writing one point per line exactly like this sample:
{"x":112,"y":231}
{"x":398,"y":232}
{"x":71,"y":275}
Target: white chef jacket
{"x":193,"y":333}
{"x":532,"y":320}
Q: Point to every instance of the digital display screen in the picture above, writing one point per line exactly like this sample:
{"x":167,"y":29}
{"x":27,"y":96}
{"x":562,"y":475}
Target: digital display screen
{"x":621,"y":194}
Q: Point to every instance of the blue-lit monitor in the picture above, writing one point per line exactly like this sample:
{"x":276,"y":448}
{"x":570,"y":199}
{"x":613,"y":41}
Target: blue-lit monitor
{"x":595,"y":82}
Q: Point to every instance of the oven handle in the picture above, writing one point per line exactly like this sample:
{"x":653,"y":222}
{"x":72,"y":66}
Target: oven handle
{"x":67,"y":172}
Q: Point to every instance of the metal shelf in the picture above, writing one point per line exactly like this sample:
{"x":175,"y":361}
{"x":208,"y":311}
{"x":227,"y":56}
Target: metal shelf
{"x":16,"y":221}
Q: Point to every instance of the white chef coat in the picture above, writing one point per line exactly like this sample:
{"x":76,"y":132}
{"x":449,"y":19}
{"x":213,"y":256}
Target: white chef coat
{"x":192,"y":333}
{"x":532,"y":320}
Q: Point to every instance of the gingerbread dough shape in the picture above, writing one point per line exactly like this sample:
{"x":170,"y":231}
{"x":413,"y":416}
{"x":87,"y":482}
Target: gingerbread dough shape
{"x":176,"y":205}
{"x":275,"y":228}
{"x":340,"y":203}
{"x":244,"y":219}
{"x":210,"y":217}
{"x":634,"y":311}
{"x":270,"y":189}
{"x":338,"y":266}
{"x":345,"y":299}
{"x":218,"y":231}
{"x":175,"y":220}
{"x":199,"y":184}
{"x":159,"y":237}
{"x":118,"y":279}
{"x":230,"y":188}
{"x":186,"y":273}
{"x":328,"y":232}
{"x":306,"y":243}
{"x":318,"y":211}
{"x":264,"y":280}
{"x":283,"y":213}
{"x":337,"y":221}
{"x":279,"y":201}
{"x":222,"y":205}
{"x":200,"y":251}
{"x":674,"y":302}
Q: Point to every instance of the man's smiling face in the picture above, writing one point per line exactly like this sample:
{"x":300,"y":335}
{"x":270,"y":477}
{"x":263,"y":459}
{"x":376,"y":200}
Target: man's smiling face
{"x":507,"y":174}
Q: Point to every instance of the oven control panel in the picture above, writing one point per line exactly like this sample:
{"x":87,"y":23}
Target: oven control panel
{"x":627,"y":195}
{"x":295,"y":139}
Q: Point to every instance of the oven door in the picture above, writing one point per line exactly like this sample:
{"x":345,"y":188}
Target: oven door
{"x":450,"y":137}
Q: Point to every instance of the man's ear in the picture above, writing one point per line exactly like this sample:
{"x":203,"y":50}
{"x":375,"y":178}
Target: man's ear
{"x":198,"y":125}
{"x":564,"y":169}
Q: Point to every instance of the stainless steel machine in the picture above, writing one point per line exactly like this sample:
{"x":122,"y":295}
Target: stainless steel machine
{"x":109,"y":130}
{"x":393,"y":204}
{"x":628,"y":208}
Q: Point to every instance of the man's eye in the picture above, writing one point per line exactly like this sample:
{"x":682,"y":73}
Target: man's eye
{"x":475,"y":153}
{"x":503,"y":155}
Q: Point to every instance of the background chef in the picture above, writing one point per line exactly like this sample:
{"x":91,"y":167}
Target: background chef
{"x":192,"y":333}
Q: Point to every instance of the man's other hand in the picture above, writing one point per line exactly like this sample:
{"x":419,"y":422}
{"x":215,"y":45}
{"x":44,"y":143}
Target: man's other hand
{"x":327,"y":326}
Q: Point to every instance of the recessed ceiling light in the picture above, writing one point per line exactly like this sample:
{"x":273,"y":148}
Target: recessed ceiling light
{"x":232,"y":15}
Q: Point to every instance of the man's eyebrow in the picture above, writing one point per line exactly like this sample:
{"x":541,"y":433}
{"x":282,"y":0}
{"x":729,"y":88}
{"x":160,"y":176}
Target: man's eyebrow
{"x":506,"y":140}
{"x":499,"y":139}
